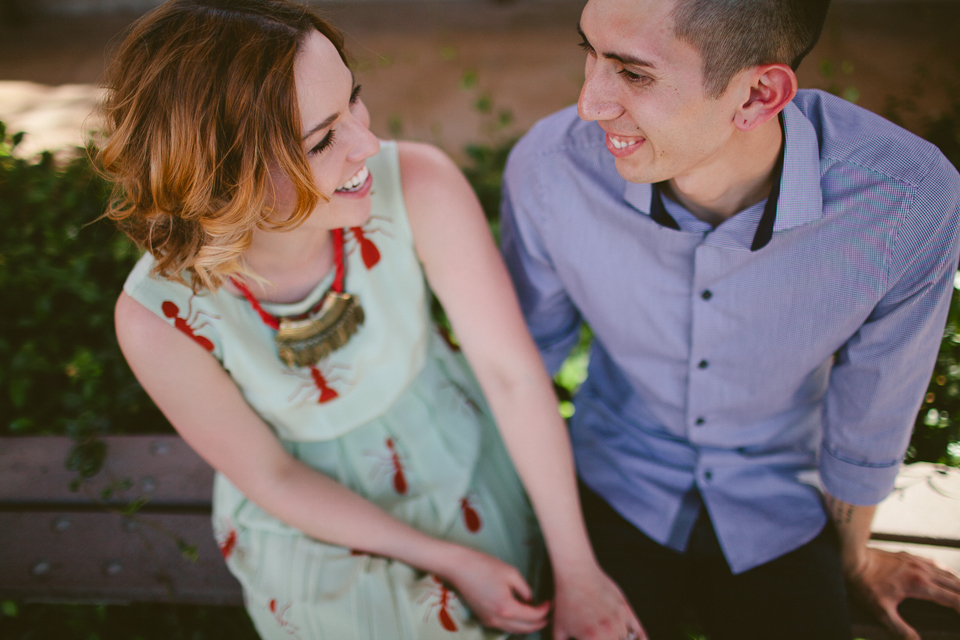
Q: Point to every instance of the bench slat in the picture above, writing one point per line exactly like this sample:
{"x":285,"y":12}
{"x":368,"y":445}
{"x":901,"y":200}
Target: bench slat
{"x":924,"y":507}
{"x":163,"y":468}
{"x":105,"y":557}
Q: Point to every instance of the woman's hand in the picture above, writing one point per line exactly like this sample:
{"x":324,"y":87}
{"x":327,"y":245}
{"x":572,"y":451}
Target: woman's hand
{"x":496,"y":593}
{"x":590,"y":606}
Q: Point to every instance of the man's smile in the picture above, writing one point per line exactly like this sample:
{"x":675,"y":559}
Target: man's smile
{"x":622,"y":146}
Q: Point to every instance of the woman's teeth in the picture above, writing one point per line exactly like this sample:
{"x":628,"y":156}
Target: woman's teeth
{"x":356,"y":181}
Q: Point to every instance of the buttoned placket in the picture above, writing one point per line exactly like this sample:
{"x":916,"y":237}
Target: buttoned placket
{"x":705,"y":261}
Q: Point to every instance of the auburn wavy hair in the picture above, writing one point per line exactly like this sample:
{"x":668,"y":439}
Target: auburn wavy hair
{"x":201,"y":103}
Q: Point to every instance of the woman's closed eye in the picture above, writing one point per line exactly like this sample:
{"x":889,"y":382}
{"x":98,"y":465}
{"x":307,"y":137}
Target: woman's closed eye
{"x":328,"y":139}
{"x":322,"y":145}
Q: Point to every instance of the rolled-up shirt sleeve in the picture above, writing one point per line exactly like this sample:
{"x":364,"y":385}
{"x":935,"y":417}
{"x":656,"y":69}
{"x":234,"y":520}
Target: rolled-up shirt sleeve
{"x":552,"y":318}
{"x":882,"y":372}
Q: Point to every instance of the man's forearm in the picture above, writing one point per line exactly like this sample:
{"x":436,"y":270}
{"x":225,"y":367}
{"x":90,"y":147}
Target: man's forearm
{"x":853,"y":525}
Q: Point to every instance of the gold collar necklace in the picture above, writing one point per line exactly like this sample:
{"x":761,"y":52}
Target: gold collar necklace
{"x":305,"y":339}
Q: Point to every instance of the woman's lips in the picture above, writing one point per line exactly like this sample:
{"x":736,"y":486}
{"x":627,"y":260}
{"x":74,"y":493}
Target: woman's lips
{"x":361,"y":189}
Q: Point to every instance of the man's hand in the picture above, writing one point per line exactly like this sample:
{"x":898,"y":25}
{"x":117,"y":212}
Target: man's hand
{"x":884,"y":580}
{"x":590,"y":606}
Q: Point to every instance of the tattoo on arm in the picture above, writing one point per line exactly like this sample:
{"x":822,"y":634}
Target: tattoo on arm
{"x":840,"y":511}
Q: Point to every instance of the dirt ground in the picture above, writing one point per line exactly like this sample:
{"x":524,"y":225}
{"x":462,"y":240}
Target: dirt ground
{"x":459,"y":73}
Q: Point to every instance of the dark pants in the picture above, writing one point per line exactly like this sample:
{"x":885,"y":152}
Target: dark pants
{"x":800,"y":595}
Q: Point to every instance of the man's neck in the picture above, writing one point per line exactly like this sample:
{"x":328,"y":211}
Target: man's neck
{"x":739,"y":178}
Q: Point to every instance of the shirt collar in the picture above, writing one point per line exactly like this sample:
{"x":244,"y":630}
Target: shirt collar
{"x":801,"y":200}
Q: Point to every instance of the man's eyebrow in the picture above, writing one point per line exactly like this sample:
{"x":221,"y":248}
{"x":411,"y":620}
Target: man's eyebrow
{"x":333,"y":118}
{"x":622,"y":58}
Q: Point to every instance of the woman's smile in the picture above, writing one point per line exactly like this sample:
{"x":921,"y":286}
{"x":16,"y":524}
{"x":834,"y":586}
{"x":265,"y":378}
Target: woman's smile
{"x":358,"y":186}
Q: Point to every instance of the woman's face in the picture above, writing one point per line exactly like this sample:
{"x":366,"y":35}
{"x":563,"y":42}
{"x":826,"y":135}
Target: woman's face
{"x":335,"y":138}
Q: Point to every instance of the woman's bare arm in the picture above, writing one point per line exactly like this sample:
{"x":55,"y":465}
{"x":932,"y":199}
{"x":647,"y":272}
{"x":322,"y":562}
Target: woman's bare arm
{"x":465,"y":271}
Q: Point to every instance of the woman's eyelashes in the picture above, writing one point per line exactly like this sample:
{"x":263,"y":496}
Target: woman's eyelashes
{"x":329,"y":138}
{"x":323,"y":144}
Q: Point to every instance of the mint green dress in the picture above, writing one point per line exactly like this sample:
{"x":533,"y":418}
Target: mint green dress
{"x":395,"y":415}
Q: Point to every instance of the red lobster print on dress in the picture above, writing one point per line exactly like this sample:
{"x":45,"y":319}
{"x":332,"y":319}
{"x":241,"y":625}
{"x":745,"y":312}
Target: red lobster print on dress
{"x":187,"y":324}
{"x":228,"y":544}
{"x":471,"y":518}
{"x":399,"y":479}
{"x":327,"y":393}
{"x":368,"y":249}
{"x":226,"y":537}
{"x":442,"y":598}
{"x":280,"y":615}
{"x":318,"y":383}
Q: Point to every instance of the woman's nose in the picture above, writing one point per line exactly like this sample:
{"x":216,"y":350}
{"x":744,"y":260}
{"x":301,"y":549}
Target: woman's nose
{"x":365,"y":144}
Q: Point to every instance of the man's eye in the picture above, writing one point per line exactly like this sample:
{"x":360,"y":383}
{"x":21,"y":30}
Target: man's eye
{"x":587,"y":47}
{"x":634,"y":78}
{"x":355,"y":94}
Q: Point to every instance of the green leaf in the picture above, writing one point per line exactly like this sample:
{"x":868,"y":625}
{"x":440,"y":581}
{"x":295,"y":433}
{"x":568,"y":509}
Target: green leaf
{"x":483,"y":104}
{"x":188,"y":551}
{"x":826,"y":68}
{"x":86,"y":458}
{"x":134,"y":506}
{"x":468,"y":80}
{"x":21,"y":425}
{"x":395,"y":125}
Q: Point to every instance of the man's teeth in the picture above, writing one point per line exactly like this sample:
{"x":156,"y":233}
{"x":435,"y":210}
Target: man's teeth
{"x":622,"y":144}
{"x":356,"y":181}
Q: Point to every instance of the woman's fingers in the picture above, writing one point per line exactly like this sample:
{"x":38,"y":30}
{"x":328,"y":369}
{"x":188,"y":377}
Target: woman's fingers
{"x":517,"y":617}
{"x":520,"y":587}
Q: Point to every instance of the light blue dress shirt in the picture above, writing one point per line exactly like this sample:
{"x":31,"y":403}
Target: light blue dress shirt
{"x":745,"y":379}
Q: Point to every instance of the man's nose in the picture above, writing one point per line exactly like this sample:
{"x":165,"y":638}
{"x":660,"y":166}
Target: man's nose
{"x":598,"y":96}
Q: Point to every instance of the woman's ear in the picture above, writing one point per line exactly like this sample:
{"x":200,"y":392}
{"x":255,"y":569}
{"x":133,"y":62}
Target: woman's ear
{"x":772,"y":86}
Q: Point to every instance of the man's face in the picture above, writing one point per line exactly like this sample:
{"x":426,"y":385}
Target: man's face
{"x":645,"y":89}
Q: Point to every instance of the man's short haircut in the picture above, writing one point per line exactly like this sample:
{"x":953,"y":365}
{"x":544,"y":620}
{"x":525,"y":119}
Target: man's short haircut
{"x":733,"y":35}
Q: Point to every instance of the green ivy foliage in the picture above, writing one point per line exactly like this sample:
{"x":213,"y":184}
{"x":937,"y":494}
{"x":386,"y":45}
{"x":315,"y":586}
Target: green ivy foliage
{"x":61,"y":270}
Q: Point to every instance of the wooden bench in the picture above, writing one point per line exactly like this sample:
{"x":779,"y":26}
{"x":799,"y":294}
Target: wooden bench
{"x":58,"y":545}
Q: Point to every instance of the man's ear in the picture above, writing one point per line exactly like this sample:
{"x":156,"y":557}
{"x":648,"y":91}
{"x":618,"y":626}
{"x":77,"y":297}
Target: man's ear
{"x":772,"y":86}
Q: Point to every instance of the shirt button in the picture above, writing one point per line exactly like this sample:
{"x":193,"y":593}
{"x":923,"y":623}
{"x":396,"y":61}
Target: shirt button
{"x":707,"y":294}
{"x":708,"y":475}
{"x":703,"y":364}
{"x":699,"y":421}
